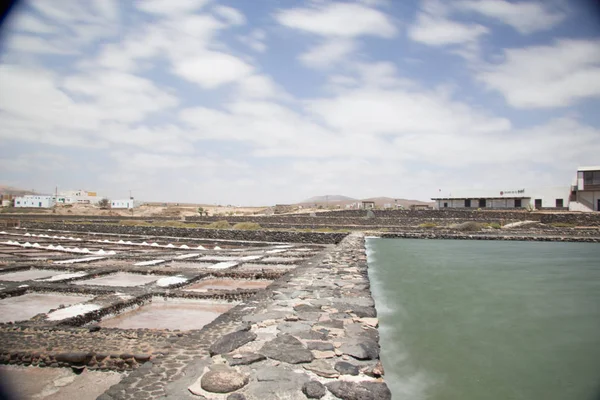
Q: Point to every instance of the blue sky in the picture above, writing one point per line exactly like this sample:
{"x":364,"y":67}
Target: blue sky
{"x":274,"y":101}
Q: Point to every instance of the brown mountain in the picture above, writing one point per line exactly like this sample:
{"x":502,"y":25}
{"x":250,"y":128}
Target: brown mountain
{"x":14,"y":191}
{"x":334,"y":200}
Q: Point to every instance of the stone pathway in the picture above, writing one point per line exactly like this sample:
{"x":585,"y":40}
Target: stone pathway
{"x":313,"y":335}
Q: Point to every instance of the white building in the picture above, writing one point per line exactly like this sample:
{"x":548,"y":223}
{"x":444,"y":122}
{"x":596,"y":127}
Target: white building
{"x":528,"y":198}
{"x":78,"y":197}
{"x":585,"y":193}
{"x":128,"y":203}
{"x":37,"y":201}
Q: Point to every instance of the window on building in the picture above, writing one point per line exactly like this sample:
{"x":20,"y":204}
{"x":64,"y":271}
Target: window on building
{"x":559,"y":203}
{"x":445,"y":205}
{"x":517,"y":203}
{"x":538,"y":204}
{"x":482,"y":203}
{"x":467,"y":203}
{"x":591,"y":178}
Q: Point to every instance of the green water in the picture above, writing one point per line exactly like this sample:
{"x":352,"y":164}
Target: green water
{"x":474,"y":320}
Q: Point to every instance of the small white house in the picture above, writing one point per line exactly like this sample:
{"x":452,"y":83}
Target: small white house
{"x":129,"y":203}
{"x":35,"y":201}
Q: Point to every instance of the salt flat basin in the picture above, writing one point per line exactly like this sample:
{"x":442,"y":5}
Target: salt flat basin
{"x":29,"y":274}
{"x":227,"y":284}
{"x":56,"y":383}
{"x":169,"y":314}
{"x":122,"y":279}
{"x":23,"y":307}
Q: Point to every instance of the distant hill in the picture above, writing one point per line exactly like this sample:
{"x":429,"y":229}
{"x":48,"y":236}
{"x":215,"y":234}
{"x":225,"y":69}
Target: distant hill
{"x":14,"y":191}
{"x":344,"y":200}
{"x":335,"y":198}
{"x":381,"y":201}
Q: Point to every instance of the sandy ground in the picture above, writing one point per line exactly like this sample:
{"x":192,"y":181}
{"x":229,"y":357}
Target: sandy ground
{"x":32,"y":383}
{"x":147,"y":210}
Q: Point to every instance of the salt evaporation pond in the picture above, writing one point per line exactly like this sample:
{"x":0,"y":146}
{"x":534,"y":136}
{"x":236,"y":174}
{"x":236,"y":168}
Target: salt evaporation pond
{"x":169,"y":314}
{"x":227,"y":284}
{"x":24,"y":307}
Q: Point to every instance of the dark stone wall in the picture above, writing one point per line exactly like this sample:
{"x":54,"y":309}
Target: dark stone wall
{"x":579,"y":219}
{"x":395,"y":218}
{"x":54,"y":217}
{"x":228,"y":234}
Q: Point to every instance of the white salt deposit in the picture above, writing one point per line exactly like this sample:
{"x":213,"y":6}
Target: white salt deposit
{"x":62,"y":276}
{"x":145,"y":244}
{"x":276,"y":251}
{"x":78,"y":260}
{"x":224,"y":265}
{"x":217,"y":248}
{"x":171,"y":280}
{"x":170,"y":245}
{"x":184,"y":246}
{"x":200,"y":247}
{"x":27,"y":234}
{"x":36,"y":245}
{"x":121,"y":241}
{"x":284,"y":246}
{"x":72,"y":311}
{"x":184,"y":256}
{"x":155,"y":244}
{"x":248,"y":258}
{"x":26,"y":244}
{"x":151,"y":262}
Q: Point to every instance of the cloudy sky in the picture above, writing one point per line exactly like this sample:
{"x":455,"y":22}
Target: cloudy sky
{"x":273,"y":101}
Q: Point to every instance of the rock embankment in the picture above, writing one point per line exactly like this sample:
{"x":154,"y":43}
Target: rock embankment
{"x":313,"y":335}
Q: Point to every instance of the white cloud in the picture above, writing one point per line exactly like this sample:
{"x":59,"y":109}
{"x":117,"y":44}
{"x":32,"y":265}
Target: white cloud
{"x":433,"y":27}
{"x":35,"y":44}
{"x":328,"y":53}
{"x":230,"y":15}
{"x":260,"y":87}
{"x":212,"y":69}
{"x":526,"y":17}
{"x":557,"y":75}
{"x":255,"y":40}
{"x":29,"y":23}
{"x":338,"y":19}
{"x":171,"y":7}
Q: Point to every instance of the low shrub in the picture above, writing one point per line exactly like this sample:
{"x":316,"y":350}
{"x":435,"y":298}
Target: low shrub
{"x":219,"y":225}
{"x":467,"y":226}
{"x":563,"y":225}
{"x":494,"y":225}
{"x":247,"y":226}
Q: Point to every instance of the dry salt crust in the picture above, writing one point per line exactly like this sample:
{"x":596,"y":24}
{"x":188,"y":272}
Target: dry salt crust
{"x":122,"y":279}
{"x":72,"y":311}
{"x":224,"y":265}
{"x":63,"y":276}
{"x":171,"y":280}
{"x":186,"y":256}
{"x":28,"y":275}
{"x":151,"y":262}
{"x":24,"y":307}
{"x":160,"y":313}
{"x":79,"y":260}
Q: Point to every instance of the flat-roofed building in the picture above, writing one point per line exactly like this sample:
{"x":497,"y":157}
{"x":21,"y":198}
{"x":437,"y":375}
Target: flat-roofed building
{"x":35,"y":201}
{"x":585,"y":193}
{"x":523,"y":198}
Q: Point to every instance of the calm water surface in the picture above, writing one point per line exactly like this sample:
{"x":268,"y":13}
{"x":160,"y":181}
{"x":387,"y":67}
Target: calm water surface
{"x":480,"y":320}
